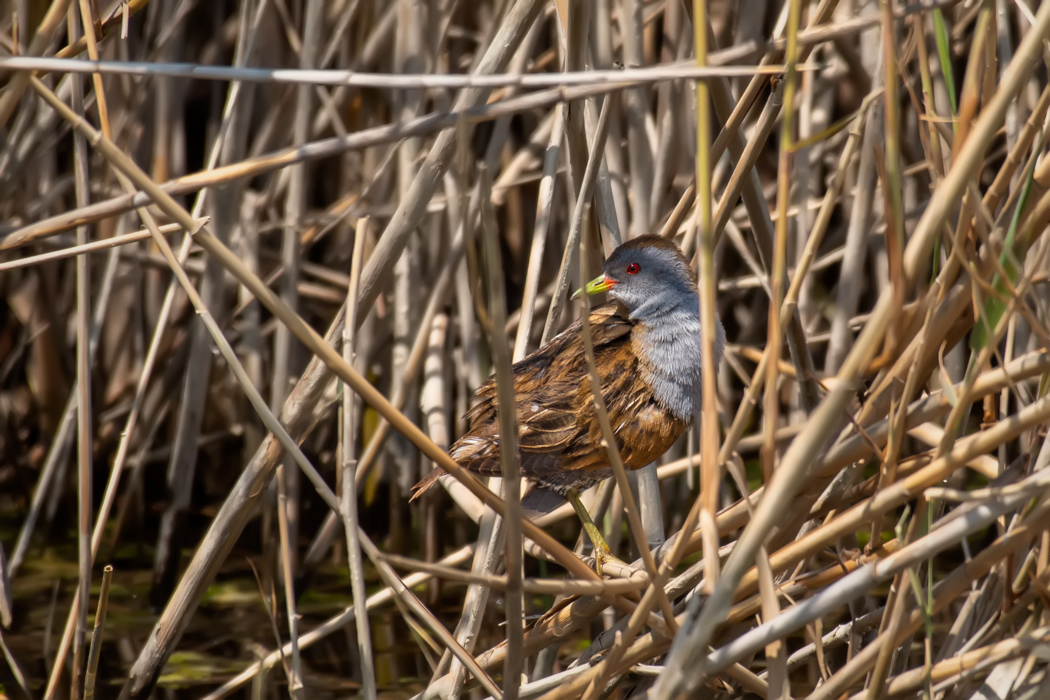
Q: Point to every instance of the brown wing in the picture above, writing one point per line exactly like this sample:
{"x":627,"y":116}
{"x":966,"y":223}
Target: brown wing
{"x":558,"y":428}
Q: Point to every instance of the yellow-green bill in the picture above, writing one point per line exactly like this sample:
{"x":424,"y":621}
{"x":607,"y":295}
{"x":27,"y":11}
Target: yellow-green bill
{"x":595,"y":286}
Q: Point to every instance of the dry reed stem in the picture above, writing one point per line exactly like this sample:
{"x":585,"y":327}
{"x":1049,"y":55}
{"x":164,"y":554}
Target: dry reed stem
{"x":509,"y":456}
{"x":348,"y":492}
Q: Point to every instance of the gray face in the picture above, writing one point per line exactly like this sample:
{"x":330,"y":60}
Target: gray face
{"x":650,"y":280}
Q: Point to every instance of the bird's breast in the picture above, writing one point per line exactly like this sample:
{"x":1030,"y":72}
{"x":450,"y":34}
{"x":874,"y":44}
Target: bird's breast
{"x":670,"y":363}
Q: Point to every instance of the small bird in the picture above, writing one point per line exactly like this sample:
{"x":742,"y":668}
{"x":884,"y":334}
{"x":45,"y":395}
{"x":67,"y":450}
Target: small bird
{"x":647,"y":350}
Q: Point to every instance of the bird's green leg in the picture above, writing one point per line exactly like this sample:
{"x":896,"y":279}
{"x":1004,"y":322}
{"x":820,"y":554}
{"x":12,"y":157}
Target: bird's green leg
{"x":601,"y":549}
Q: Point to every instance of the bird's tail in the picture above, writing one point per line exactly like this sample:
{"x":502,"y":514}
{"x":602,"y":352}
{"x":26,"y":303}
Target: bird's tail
{"x":425,"y":483}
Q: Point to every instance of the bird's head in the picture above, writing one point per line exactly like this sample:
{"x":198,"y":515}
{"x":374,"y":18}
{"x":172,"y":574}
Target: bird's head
{"x":649,"y":275}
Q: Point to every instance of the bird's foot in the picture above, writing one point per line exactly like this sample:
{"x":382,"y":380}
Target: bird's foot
{"x":603,"y":557}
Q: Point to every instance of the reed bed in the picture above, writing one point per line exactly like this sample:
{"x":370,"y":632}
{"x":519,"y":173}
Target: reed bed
{"x":256,"y":256}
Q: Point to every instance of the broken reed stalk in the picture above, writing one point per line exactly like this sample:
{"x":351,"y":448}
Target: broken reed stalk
{"x":95,"y":649}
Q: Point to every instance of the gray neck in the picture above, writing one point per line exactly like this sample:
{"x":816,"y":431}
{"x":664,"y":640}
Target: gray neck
{"x":671,"y":341}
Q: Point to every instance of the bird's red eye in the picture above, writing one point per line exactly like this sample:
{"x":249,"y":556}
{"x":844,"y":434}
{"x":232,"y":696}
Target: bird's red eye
{"x":632,"y":269}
